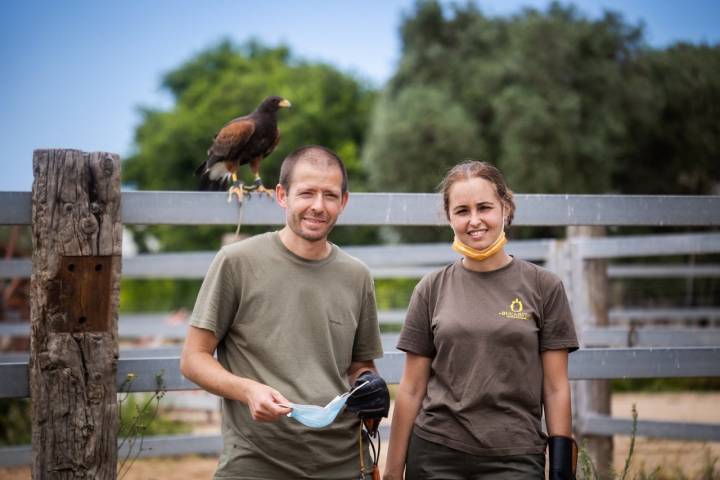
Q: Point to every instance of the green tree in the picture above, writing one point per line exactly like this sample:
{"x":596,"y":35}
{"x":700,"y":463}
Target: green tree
{"x":673,"y":142}
{"x":540,"y":94}
{"x":415,"y":136}
{"x":562,"y":103}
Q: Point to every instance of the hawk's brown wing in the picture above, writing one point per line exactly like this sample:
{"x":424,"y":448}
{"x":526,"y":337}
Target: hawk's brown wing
{"x":229,"y":140}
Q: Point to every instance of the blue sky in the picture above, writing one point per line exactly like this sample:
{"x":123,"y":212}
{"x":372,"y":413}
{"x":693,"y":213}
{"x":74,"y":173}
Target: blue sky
{"x":74,"y":72}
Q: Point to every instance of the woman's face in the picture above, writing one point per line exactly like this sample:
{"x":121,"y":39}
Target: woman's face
{"x":476,"y":213}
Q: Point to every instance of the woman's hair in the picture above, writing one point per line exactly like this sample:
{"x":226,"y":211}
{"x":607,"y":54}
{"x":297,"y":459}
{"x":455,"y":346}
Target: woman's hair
{"x":474,"y":169}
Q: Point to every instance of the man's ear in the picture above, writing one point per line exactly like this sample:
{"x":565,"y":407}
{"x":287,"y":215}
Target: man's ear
{"x":344,"y":200}
{"x":281,"y":195}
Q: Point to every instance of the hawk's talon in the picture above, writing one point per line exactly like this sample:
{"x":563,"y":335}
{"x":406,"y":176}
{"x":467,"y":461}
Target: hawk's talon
{"x":266,"y":191}
{"x":258,"y":186}
{"x":238,"y":191}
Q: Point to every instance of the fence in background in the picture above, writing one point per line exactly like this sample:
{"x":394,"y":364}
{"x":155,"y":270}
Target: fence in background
{"x":569,"y":258}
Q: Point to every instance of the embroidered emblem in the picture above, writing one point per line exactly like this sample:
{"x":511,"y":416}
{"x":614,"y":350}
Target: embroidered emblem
{"x":516,"y":311}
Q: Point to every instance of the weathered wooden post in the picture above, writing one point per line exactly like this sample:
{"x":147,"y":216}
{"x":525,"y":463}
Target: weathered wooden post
{"x":77,"y":234}
{"x":589,"y":298}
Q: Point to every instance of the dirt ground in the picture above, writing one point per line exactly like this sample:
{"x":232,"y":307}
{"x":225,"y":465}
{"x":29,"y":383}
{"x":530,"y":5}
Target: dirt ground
{"x":675,"y":458}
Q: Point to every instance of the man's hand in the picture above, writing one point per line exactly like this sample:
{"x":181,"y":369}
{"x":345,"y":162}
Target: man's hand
{"x":263,"y":402}
{"x":371,"y":401}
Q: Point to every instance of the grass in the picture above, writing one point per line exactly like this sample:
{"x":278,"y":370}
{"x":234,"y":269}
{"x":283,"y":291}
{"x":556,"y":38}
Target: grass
{"x":139,"y":419}
{"x":588,"y":471}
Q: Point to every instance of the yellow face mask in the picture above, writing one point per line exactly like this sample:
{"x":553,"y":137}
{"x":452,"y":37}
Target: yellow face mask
{"x":483,"y":254}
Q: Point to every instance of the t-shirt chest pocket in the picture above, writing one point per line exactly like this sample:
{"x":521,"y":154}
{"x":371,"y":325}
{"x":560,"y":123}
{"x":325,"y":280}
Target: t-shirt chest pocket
{"x":342,"y":323}
{"x":342,"y":314}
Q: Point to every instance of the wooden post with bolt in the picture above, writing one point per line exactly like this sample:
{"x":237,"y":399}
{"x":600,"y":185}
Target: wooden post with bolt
{"x":77,"y":235}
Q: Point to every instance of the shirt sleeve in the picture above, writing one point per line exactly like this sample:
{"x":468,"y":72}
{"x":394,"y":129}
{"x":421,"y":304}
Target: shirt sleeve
{"x":558,"y":329}
{"x":367,"y":345}
{"x":416,"y":335}
{"x":217,"y":302}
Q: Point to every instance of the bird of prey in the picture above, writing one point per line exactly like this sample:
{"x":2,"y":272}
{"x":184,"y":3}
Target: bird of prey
{"x":243,"y":140}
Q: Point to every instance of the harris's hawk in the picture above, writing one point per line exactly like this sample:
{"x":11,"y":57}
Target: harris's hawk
{"x":243,"y":140}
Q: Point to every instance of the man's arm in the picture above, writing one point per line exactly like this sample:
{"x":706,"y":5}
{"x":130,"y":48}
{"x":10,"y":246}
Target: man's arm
{"x":358,"y":368}
{"x":198,"y":365}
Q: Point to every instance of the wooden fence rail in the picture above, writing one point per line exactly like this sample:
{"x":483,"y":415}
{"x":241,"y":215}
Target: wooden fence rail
{"x":401,"y":209}
{"x":167,"y":327}
{"x":585,"y":364}
{"x":410,"y":259}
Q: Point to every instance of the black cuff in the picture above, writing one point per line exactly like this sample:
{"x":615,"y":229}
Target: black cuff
{"x":563,"y":458}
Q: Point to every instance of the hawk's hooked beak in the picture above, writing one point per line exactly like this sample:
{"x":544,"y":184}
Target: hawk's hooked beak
{"x":284,"y":104}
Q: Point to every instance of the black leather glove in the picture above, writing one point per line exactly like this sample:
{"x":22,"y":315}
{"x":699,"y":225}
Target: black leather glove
{"x":371,"y":401}
{"x":563,"y":458}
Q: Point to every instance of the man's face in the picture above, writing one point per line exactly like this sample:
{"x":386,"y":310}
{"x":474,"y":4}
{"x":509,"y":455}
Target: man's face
{"x":314,"y":200}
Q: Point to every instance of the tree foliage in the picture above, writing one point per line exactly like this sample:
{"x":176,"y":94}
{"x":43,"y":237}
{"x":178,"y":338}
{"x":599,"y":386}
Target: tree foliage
{"x":673,"y":141}
{"x":562,"y":103}
{"x":411,"y":132}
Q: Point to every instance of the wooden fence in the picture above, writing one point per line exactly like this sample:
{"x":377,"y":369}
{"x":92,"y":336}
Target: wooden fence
{"x":572,"y":259}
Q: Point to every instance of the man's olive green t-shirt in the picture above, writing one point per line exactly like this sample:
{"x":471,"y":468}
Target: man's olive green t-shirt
{"x":295,"y":325}
{"x":485,"y":332}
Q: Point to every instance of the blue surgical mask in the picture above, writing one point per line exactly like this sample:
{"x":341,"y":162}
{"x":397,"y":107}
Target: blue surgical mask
{"x":318,"y":417}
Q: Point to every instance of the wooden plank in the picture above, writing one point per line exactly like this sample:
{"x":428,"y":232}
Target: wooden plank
{"x":211,"y":208}
{"x":649,"y":245}
{"x":159,"y":446}
{"x":608,"y":426}
{"x":585,"y":364}
{"x":77,"y":235}
{"x":156,"y":326}
{"x":711,"y":270}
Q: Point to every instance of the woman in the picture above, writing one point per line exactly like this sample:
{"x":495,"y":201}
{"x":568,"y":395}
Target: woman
{"x":486,"y":341}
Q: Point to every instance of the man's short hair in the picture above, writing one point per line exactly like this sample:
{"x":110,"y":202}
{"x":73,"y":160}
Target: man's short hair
{"x":315,"y":154}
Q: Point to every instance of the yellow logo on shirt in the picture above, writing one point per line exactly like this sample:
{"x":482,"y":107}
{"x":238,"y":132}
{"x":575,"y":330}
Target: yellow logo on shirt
{"x":516,"y":311}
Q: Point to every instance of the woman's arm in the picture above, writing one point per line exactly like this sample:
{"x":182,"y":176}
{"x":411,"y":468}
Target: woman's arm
{"x":410,"y":394}
{"x":556,"y":393}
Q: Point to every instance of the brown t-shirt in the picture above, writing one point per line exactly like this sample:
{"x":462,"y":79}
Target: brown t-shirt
{"x":296,"y":325}
{"x":484,"y":332}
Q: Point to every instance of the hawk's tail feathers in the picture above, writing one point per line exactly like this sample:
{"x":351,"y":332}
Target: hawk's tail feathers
{"x":214,"y":175}
{"x":209,"y":185}
{"x":200,"y":169}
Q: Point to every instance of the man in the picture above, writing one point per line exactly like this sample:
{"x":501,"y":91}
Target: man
{"x":293,"y":319}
